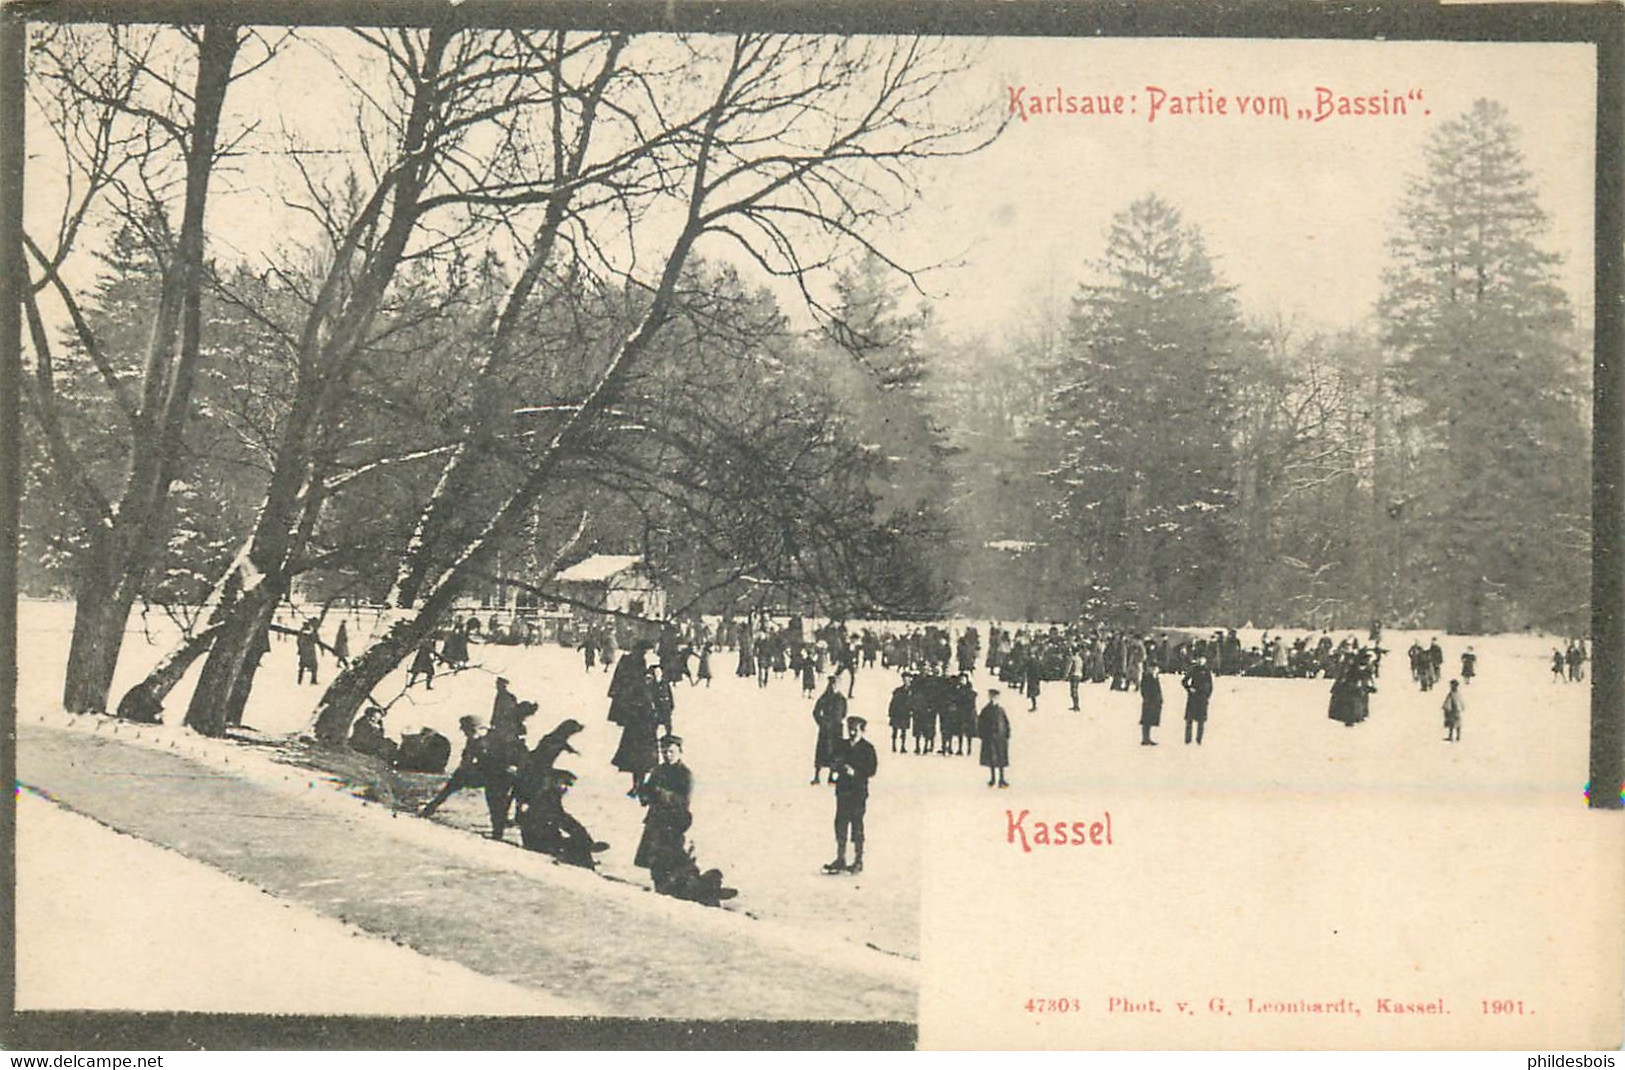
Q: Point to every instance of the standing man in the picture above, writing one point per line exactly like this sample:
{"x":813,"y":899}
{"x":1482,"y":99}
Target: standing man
{"x":341,"y":646}
{"x":1435,"y":655}
{"x":504,"y":706}
{"x":828,"y":712}
{"x":1454,"y":707}
{"x":855,"y":762}
{"x":899,"y":713}
{"x":993,"y":728}
{"x":1074,"y":675}
{"x":306,"y":645}
{"x":1150,"y":705}
{"x":1198,"y":685}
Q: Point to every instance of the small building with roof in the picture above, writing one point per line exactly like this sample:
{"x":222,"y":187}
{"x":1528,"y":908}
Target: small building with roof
{"x":620,"y":583}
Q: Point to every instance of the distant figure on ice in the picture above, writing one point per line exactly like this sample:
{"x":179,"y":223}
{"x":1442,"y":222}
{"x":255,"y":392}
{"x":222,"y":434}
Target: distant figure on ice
{"x":993,"y":729}
{"x":1198,"y":684}
{"x":808,"y":667}
{"x":662,"y":850}
{"x":341,"y":646}
{"x":1435,"y":662}
{"x":1074,"y":675}
{"x":705,"y":664}
{"x":855,"y":762}
{"x":454,"y":650}
{"x":422,"y":664}
{"x":1469,"y":666}
{"x":899,"y":714}
{"x":470,"y":771}
{"x":1453,"y":709}
{"x":306,"y":645}
{"x":1350,"y":703}
{"x":828,"y":713}
{"x":1150,"y":704}
{"x":504,"y":705}
{"x":1558,"y":671}
{"x":1577,"y":660}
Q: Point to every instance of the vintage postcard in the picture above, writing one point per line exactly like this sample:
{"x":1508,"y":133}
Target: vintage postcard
{"x":589,"y":527}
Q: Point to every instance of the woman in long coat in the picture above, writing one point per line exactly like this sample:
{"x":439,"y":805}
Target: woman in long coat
{"x":632,"y":707}
{"x":1350,"y":701}
{"x":627,"y":688}
{"x":1150,"y":704}
{"x":993,"y":728}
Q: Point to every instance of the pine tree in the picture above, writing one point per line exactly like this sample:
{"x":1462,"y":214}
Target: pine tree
{"x":1486,"y":364}
{"x":1142,"y":414}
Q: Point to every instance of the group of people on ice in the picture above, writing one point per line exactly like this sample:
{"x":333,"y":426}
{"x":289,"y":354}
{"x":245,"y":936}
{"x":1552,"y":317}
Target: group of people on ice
{"x":1569,"y":662}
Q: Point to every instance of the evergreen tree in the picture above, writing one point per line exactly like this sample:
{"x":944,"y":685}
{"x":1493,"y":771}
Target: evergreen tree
{"x":1143,"y":423}
{"x":1486,"y":364}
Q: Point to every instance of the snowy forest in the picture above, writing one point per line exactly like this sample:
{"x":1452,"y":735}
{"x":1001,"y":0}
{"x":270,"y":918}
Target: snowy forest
{"x":527,"y":298}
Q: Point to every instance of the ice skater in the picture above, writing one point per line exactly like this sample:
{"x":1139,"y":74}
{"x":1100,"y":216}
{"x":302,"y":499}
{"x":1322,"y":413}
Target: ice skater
{"x":423,"y":664}
{"x":1469,"y":666}
{"x":854,"y":764}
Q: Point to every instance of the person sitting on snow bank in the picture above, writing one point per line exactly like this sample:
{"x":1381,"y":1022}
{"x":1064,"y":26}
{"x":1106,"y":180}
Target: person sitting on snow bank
{"x":547,"y":827}
{"x":367,"y":735}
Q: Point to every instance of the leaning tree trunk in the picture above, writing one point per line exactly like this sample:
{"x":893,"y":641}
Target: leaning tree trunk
{"x":145,"y":701}
{"x":228,"y":673}
{"x":354,"y":685}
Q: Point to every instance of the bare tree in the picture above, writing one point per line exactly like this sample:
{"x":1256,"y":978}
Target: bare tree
{"x":135,"y":140}
{"x":800,"y":147}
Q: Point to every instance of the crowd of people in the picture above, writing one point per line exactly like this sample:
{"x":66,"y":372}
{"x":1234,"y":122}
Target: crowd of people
{"x":932,"y":710}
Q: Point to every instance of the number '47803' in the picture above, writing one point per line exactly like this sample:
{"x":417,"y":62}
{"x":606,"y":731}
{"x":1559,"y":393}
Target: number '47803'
{"x":1062,"y":1005}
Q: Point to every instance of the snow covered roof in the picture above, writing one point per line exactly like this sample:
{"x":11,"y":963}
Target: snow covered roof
{"x":598,"y":568}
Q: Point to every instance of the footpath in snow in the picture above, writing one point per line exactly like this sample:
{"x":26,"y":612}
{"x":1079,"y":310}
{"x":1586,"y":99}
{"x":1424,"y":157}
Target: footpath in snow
{"x":579,"y":941}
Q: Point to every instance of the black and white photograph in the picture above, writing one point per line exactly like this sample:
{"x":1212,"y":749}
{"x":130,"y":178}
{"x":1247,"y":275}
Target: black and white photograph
{"x":794,"y":528}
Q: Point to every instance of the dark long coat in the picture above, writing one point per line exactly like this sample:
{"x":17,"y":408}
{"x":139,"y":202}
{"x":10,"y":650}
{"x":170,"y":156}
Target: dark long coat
{"x":1150,"y":699}
{"x":1198,"y":689}
{"x":628,"y":689}
{"x":666,"y":793}
{"x":830,"y":713}
{"x":993,"y":728}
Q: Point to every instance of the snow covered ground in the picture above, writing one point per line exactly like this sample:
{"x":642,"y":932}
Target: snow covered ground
{"x":96,"y":909}
{"x":758,"y":819}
